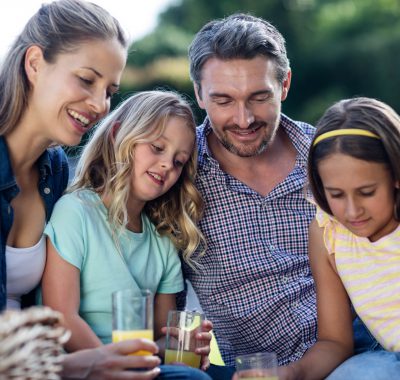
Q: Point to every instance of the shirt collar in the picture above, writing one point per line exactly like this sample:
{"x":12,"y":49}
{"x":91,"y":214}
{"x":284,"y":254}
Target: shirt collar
{"x":7,"y":178}
{"x":44,"y":164}
{"x":6,"y":174}
{"x":300,"y":135}
{"x":202,"y":132}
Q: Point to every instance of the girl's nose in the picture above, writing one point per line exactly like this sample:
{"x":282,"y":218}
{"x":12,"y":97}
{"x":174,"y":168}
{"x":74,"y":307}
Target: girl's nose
{"x":167,"y":164}
{"x":353,"y":209}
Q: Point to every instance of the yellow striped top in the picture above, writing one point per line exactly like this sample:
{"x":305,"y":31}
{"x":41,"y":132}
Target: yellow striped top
{"x":370,"y":272}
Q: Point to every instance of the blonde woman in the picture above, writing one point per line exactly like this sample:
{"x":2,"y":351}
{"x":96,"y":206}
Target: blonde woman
{"x":133,"y":204}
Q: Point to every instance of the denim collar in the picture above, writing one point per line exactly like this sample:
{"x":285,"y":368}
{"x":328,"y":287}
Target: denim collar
{"x":7,"y":178}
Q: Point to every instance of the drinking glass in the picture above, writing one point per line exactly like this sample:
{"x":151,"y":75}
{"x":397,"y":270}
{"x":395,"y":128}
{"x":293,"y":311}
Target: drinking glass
{"x":181,"y":342}
{"x":132,"y":316}
{"x":257,"y":366}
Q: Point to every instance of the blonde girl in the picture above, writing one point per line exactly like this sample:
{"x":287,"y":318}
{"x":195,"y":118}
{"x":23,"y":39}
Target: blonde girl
{"x":131,"y":207}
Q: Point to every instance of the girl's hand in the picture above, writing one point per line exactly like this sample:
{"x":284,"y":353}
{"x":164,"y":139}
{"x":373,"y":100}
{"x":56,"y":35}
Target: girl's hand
{"x":202,"y":336}
{"x":204,"y":339}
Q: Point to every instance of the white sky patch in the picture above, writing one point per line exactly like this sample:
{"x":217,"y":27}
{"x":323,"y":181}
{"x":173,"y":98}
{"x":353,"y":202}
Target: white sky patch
{"x":137,"y":17}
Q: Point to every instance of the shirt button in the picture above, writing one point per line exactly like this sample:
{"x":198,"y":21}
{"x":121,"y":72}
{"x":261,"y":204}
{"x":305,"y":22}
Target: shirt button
{"x":47,"y":190}
{"x":284,"y":279}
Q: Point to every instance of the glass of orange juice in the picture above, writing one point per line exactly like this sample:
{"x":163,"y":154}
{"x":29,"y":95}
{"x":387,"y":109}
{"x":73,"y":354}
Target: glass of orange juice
{"x":132,"y":316}
{"x":257,"y":366}
{"x":181,"y":343}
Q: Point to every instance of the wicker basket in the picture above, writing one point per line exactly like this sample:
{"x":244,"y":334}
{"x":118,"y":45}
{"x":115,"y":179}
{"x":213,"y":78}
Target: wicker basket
{"x":31,"y":343}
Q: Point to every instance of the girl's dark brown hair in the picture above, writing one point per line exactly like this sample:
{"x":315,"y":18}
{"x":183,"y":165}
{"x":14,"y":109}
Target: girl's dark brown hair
{"x":359,"y":113}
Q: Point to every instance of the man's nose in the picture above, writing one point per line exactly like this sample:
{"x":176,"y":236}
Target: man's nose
{"x":243,"y":116}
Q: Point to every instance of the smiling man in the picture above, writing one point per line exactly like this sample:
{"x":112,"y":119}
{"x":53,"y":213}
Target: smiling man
{"x":255,"y":282}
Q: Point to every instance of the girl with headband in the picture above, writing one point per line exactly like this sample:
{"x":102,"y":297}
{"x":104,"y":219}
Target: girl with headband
{"x":354,"y":241}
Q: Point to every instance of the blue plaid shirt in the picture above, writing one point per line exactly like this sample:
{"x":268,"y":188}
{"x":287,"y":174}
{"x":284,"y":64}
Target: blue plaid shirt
{"x":255,"y":282}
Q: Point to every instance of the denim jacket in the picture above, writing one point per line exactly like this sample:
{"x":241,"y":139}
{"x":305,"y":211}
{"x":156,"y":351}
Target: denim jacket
{"x":53,"y":179}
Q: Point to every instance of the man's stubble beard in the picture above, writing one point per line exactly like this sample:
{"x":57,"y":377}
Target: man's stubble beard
{"x":243,"y":150}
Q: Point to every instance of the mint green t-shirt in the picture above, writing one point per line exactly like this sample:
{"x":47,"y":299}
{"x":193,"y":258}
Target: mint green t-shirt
{"x":79,"y":230}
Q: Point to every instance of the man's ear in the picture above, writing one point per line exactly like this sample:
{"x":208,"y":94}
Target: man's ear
{"x":286,"y":85}
{"x":197,"y":92}
{"x":33,"y":59}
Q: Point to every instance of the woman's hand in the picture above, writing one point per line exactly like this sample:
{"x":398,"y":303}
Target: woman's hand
{"x":113,"y":361}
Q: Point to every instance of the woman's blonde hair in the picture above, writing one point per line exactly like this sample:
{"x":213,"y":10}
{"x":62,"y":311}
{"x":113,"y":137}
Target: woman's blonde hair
{"x":58,"y":27}
{"x":107,"y":161}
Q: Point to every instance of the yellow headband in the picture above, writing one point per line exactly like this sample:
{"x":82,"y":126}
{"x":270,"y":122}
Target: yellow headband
{"x":345,"y":132}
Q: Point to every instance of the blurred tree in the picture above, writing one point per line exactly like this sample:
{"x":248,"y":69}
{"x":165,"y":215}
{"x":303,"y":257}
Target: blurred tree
{"x":165,"y":41}
{"x":337,"y":49}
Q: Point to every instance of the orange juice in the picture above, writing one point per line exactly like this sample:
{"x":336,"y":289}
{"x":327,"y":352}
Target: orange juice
{"x":258,"y":375}
{"x":120,"y":335}
{"x":189,"y":358}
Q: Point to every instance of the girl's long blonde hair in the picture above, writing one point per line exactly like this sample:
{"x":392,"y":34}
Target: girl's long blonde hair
{"x":107,"y":161}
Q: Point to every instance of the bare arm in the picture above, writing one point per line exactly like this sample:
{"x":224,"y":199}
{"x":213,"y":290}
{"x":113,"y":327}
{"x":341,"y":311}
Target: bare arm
{"x":335,"y":333}
{"x":163,"y":303}
{"x":61,"y":284}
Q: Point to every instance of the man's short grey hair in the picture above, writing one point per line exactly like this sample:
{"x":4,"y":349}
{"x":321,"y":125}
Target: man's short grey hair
{"x":239,"y":36}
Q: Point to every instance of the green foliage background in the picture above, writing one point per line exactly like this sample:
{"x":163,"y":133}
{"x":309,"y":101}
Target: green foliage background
{"x":337,"y":49}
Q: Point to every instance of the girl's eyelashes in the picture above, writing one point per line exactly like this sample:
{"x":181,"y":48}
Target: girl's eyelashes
{"x":179,"y":164}
{"x":368,"y":193}
{"x":157,"y":148}
{"x":362,"y":193}
{"x":336,"y":195}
